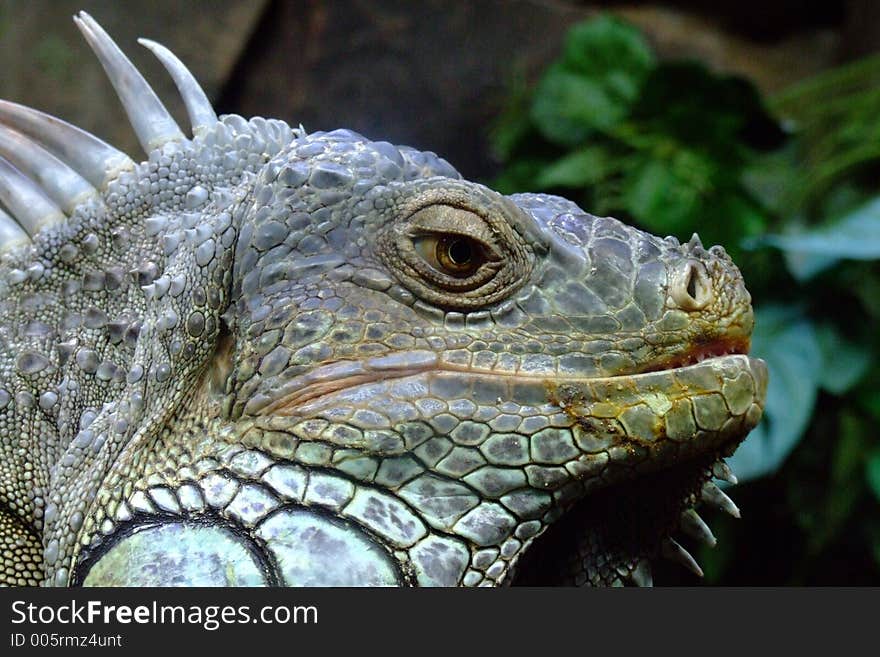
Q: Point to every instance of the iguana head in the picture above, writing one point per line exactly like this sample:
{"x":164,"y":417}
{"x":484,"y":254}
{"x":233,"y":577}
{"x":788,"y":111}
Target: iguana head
{"x":280,"y":357}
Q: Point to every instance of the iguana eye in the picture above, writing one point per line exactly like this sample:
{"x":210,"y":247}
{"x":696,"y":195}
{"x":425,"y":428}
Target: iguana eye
{"x":456,"y":250}
{"x":454,"y":255}
{"x":450,"y":248}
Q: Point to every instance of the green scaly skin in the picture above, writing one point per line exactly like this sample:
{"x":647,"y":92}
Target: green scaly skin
{"x":270,"y":357}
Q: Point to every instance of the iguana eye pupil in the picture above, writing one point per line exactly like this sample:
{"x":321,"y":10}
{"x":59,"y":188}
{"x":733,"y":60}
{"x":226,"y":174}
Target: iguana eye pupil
{"x":457,"y":255}
{"x":451,"y":255}
{"x":460,"y":252}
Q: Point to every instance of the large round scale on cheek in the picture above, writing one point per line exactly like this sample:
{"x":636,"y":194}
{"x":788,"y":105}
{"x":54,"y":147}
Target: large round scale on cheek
{"x":314,"y":550}
{"x":177,"y":554}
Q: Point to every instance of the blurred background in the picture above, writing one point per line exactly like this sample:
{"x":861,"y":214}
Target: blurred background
{"x":756,"y":124}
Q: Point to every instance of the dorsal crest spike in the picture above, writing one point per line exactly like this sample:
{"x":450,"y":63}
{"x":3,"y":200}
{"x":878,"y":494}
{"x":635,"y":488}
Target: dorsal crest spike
{"x":92,"y":158}
{"x":10,"y":231}
{"x":152,"y":123}
{"x":695,"y":242}
{"x":198,"y":107}
{"x":60,"y":183}
{"x":29,"y":205}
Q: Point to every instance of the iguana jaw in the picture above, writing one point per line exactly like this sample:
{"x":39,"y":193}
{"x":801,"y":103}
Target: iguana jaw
{"x":611,"y":535}
{"x":619,"y":426}
{"x":646,"y":440}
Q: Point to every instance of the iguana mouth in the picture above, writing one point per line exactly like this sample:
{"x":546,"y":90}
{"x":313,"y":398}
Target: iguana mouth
{"x":700,"y":351}
{"x":337,"y":376}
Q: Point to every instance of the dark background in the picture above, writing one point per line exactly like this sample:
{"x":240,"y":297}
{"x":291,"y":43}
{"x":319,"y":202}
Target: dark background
{"x":431,"y":74}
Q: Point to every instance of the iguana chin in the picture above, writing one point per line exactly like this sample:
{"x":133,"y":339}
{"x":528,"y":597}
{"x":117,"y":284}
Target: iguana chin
{"x":266,"y":357}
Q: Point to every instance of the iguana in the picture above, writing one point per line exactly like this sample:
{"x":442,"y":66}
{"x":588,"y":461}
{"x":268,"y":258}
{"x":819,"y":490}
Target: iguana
{"x":265,"y":356}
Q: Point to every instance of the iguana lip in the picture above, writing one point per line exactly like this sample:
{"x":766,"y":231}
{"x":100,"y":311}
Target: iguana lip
{"x":701,"y":351}
{"x":337,"y":377}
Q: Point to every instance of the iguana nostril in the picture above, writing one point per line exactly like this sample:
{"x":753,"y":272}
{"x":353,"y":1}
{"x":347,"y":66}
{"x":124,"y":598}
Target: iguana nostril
{"x":692,"y":283}
{"x":690,"y":287}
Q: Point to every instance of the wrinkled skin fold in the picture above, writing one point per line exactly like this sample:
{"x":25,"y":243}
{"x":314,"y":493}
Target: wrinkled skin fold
{"x":268,"y":357}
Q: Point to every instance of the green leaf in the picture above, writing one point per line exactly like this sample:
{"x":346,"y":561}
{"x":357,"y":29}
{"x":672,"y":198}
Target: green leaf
{"x":577,"y":169}
{"x":856,"y":236}
{"x":821,"y":94}
{"x":872,"y":472}
{"x":664,"y":195}
{"x":869,"y":400}
{"x":648,"y":196}
{"x":594,"y":83}
{"x":606,"y":48}
{"x":867,"y":289}
{"x":513,"y":127}
{"x":738,"y":215}
{"x":804,"y":266}
{"x":568,"y":107}
{"x":786,"y":340}
{"x":771,"y":177}
{"x":509,"y":132}
{"x":835,"y":116}
{"x":844,"y":362}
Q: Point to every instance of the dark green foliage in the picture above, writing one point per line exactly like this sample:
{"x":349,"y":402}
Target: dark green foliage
{"x":592,"y":87}
{"x":790,"y":186}
{"x":612,"y":128}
